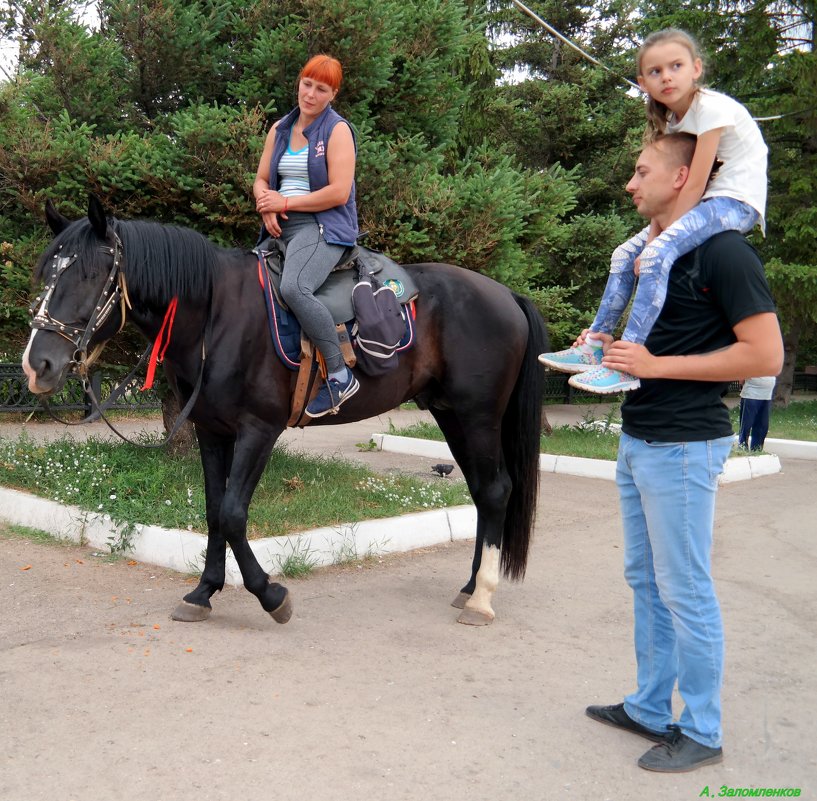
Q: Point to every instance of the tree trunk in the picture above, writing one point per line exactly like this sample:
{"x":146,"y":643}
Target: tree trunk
{"x":785,"y":381}
{"x":184,"y":441}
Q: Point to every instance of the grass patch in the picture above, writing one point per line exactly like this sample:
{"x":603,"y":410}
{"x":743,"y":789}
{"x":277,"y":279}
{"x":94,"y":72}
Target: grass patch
{"x":34,"y":534}
{"x":590,"y":438}
{"x":130,"y":485}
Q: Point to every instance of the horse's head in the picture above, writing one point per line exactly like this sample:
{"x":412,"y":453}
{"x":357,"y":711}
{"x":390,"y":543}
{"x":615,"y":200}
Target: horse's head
{"x":80,"y":306}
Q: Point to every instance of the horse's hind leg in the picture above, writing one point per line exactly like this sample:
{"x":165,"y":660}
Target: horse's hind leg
{"x":216,"y":460}
{"x":479,"y":455}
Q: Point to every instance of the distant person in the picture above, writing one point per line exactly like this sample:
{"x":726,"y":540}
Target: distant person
{"x":716,"y":325}
{"x":305,"y":193}
{"x":755,"y":411}
{"x":669,"y":69}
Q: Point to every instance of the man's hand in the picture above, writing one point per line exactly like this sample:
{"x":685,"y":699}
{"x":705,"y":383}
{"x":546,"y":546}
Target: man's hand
{"x":629,"y":357}
{"x":582,"y":338}
{"x":757,"y":351}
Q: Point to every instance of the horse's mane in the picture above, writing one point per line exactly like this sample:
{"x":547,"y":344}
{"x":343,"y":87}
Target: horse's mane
{"x":160,"y":261}
{"x":165,"y":261}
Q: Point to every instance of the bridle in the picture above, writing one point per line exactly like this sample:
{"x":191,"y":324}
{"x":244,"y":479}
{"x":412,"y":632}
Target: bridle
{"x":113,"y":293}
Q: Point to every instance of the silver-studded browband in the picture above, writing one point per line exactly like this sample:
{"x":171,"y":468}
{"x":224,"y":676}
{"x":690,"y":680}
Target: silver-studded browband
{"x":114,"y":292}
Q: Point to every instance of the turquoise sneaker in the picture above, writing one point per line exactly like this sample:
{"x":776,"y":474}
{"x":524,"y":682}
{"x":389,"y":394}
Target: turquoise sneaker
{"x":331,"y":395}
{"x":604,"y":381}
{"x":577,"y":359}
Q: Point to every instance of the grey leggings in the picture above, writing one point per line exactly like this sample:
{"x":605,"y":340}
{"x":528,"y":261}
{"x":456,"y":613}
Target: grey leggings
{"x":309,"y":261}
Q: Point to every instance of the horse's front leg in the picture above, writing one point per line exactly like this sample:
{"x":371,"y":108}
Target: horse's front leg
{"x":216,"y":460}
{"x":252,"y":452}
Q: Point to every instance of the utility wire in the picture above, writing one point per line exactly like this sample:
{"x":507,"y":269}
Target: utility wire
{"x":550,"y":29}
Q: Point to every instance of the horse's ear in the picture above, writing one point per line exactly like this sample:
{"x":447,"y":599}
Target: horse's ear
{"x":56,"y":222}
{"x":97,"y":216}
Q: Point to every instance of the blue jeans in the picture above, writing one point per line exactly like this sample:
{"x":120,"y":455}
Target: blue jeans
{"x":708,"y":218}
{"x":667,"y":494}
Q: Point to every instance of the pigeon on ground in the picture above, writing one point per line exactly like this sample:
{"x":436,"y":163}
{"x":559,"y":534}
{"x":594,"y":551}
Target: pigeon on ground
{"x":442,"y":470}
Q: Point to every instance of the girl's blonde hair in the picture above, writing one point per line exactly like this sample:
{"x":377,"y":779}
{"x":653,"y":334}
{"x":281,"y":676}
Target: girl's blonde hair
{"x":657,"y":112}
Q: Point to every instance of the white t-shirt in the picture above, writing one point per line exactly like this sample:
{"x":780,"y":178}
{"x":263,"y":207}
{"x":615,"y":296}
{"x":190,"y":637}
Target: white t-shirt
{"x":741,"y":148}
{"x":760,"y":388}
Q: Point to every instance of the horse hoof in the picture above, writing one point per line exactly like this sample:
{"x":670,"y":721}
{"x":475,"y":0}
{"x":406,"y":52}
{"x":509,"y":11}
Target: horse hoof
{"x":460,"y":600}
{"x":190,"y":613}
{"x":474,"y":617}
{"x":284,"y":612}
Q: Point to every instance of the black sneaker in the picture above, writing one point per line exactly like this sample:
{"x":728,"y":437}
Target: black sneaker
{"x":616,"y":716}
{"x":679,"y":754}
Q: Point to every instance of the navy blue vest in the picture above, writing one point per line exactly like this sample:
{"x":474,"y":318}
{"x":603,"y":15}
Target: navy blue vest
{"x":339,"y":223}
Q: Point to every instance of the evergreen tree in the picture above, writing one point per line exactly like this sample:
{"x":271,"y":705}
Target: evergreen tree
{"x":163,"y":111}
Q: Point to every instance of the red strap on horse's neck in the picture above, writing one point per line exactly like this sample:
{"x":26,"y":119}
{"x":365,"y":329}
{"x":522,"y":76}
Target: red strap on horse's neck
{"x":157,"y":355}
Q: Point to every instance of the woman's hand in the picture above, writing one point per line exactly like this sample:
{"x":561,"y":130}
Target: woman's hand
{"x":271,"y":201}
{"x":271,"y":223}
{"x":270,"y":205}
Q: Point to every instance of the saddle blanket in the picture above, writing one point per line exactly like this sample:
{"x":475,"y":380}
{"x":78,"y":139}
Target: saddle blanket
{"x":286,"y":330}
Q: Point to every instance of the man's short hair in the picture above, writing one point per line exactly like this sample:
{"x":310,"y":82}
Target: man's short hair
{"x":679,"y":147}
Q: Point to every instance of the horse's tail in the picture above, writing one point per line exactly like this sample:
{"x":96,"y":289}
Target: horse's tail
{"x":521,"y":429}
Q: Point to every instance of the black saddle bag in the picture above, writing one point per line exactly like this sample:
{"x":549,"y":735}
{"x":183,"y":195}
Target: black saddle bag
{"x":379,"y":325}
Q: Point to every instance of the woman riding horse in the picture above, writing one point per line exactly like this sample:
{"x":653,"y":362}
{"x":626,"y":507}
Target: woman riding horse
{"x":305,"y":193}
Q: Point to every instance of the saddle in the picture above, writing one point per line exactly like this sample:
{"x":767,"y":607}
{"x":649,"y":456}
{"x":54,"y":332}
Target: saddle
{"x":357,"y":263}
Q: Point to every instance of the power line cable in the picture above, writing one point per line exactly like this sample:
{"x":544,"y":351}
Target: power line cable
{"x":550,"y":29}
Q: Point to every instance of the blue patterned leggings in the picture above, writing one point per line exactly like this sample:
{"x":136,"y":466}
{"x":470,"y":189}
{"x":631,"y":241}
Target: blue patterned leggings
{"x":708,"y":218}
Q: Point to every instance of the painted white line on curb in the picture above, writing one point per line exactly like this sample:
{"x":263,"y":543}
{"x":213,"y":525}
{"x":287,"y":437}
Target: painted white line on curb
{"x":184,"y":550}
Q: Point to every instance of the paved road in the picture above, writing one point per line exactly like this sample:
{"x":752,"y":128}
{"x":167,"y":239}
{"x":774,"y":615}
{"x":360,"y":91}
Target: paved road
{"x":372,"y":691}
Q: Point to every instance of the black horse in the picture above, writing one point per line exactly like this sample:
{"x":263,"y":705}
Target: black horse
{"x":473,"y":366}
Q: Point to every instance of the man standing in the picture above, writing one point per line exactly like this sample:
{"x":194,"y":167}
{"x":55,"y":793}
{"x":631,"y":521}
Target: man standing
{"x":755,"y":411}
{"x":718,"y":324}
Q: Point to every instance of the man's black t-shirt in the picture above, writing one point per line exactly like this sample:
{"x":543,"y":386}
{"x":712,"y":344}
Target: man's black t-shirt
{"x":710,"y":290}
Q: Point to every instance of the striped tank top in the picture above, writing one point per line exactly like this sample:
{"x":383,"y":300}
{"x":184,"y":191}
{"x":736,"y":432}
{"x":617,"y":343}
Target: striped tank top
{"x":293,"y":172}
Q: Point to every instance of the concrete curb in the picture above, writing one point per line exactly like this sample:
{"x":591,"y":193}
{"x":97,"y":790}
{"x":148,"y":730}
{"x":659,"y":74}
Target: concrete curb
{"x":184,"y":550}
{"x":792,"y":448}
{"x":738,"y":468}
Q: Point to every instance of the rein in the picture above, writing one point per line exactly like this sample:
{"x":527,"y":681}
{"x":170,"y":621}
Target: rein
{"x":113,"y":292}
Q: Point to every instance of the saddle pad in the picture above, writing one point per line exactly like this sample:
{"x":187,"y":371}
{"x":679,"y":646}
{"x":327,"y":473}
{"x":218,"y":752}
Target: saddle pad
{"x":336,"y":292}
{"x":286,"y":330}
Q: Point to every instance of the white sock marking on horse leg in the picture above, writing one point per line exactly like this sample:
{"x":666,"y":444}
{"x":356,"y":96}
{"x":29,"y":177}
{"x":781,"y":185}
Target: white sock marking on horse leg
{"x":487,"y":580}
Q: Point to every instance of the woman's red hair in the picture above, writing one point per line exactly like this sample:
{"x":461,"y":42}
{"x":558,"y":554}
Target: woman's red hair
{"x":325,"y":69}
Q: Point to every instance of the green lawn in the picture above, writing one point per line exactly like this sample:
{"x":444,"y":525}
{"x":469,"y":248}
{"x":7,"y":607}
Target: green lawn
{"x":131,"y":485}
{"x":591,"y":438}
{"x":797,"y":421}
